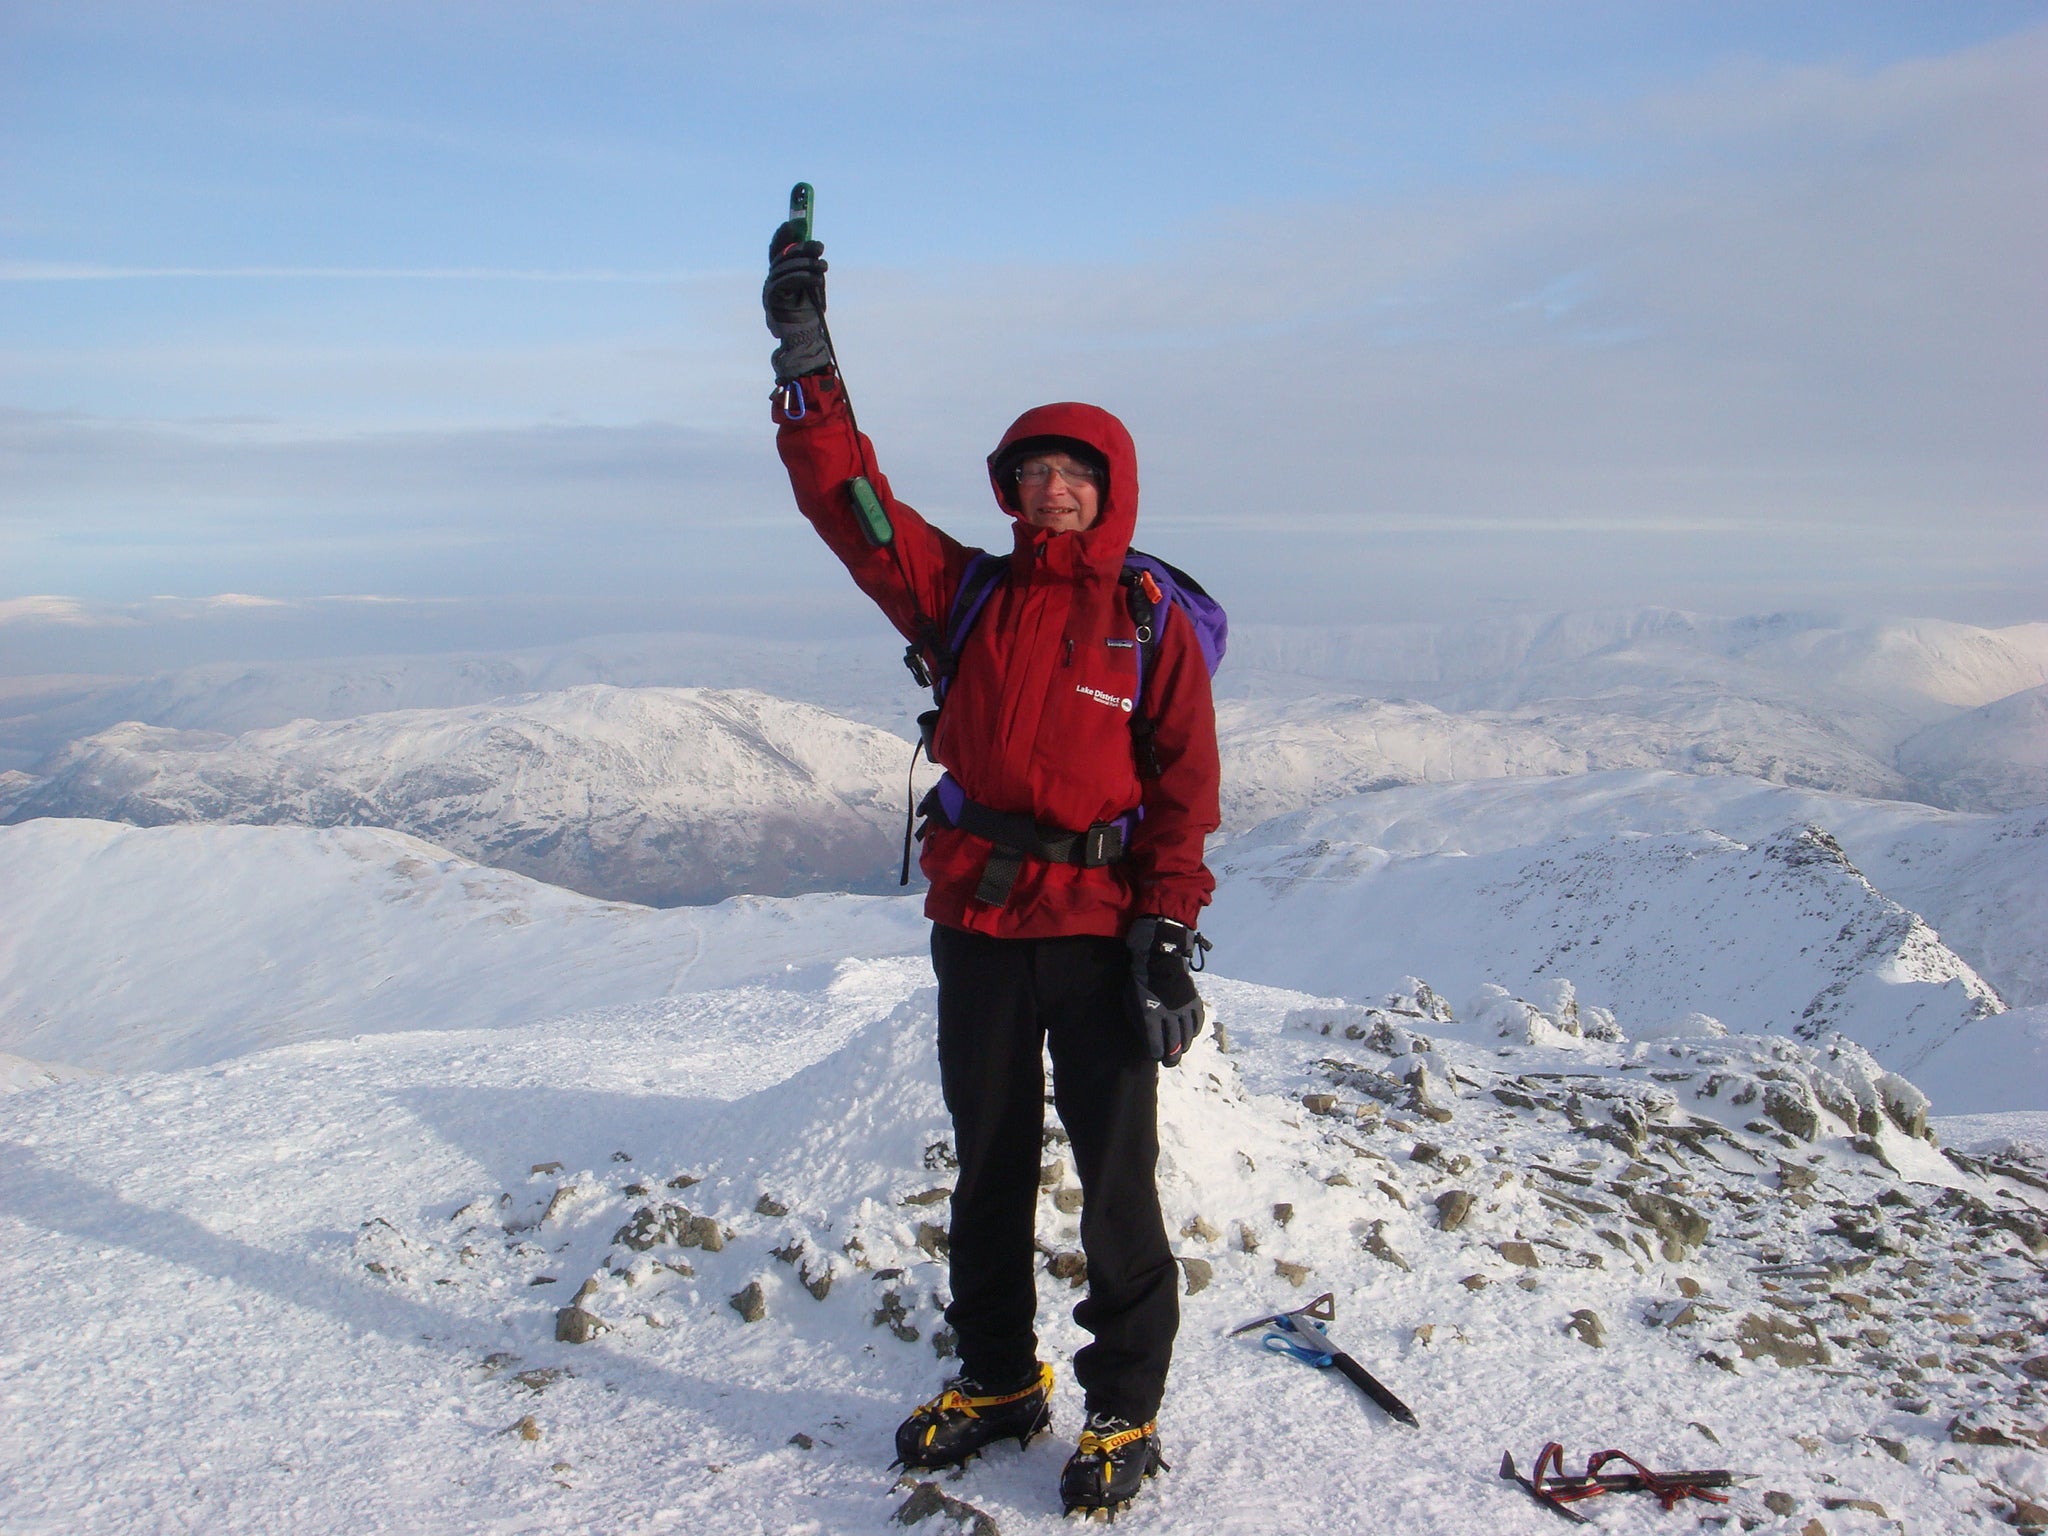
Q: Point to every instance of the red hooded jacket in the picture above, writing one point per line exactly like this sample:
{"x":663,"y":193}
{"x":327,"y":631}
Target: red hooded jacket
{"x":1037,"y":720}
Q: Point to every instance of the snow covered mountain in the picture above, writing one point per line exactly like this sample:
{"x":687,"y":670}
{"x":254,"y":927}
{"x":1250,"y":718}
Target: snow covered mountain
{"x":1288,"y":754}
{"x":1995,"y":757}
{"x":1913,"y":668}
{"x":666,"y":795}
{"x":1573,"y":888}
{"x":660,"y":796}
{"x":863,"y":681}
{"x":1796,"y":700}
{"x":1978,"y":879}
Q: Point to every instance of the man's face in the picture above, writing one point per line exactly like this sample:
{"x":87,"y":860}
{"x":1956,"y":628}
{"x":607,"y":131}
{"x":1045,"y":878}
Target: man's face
{"x":1056,"y":491}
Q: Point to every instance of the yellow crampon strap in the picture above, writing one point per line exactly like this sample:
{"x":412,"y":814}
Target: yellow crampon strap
{"x":954,"y":1401}
{"x":1093,"y":1444}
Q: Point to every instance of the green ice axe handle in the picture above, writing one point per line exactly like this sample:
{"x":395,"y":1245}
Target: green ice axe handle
{"x":874,"y":518}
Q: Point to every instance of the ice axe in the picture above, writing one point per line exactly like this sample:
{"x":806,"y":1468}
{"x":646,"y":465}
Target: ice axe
{"x":1301,"y":1335}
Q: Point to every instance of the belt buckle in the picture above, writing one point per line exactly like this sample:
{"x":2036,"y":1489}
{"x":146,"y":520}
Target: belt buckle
{"x":1102,"y":845}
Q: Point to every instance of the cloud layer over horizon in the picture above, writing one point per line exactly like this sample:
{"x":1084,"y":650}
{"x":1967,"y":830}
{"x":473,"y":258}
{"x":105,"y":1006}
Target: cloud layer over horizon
{"x":1766,"y":333}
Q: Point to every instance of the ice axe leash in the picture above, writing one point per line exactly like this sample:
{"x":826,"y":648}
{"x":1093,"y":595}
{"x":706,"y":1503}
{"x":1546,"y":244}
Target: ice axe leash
{"x":1301,"y":1335}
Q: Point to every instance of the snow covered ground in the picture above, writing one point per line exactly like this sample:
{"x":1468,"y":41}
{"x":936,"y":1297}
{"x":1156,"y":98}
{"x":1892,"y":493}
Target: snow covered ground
{"x":320,"y":1149}
{"x":319,"y":1288}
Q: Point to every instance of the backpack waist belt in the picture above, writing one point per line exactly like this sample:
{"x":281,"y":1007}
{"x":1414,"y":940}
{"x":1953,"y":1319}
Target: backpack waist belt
{"x":1017,"y":838}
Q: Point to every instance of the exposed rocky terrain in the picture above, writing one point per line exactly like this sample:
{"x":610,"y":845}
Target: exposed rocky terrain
{"x":1764,"y":1230}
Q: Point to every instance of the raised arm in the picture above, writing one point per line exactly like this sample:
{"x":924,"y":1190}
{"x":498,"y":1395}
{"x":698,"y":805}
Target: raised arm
{"x":914,"y":576}
{"x":908,"y":567}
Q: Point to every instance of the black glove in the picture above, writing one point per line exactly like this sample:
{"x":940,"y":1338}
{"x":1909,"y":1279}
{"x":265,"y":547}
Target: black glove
{"x":794,"y":299}
{"x":1162,"y":997}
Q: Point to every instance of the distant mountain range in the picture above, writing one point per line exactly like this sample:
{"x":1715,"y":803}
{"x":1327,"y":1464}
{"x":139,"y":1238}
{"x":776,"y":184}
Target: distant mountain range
{"x":1797,"y":700}
{"x":656,"y":795}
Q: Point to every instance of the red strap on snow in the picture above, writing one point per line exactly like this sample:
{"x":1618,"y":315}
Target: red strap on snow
{"x":1550,"y":1463}
{"x":1551,"y":1457}
{"x":1669,"y":1491}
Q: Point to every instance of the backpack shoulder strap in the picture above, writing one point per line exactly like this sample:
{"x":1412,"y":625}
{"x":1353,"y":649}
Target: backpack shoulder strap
{"x":934,"y":656}
{"x":1153,"y":588}
{"x":1148,"y":605}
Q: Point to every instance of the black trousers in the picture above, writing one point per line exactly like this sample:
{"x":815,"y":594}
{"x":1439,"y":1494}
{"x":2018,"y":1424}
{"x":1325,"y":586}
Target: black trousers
{"x":998,"y":1000}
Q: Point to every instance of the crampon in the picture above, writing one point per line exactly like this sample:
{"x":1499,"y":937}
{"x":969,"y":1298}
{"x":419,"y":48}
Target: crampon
{"x":960,"y":1421}
{"x":1109,"y":1466}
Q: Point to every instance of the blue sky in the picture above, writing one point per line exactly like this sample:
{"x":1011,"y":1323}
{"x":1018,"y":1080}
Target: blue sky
{"x":1415,"y":310}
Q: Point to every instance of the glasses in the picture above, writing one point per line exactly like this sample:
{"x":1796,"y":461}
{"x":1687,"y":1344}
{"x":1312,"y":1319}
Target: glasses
{"x":1041,"y":471}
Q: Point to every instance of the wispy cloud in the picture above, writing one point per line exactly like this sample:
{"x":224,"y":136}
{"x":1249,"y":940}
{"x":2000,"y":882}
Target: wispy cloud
{"x":87,"y":272}
{"x":50,"y":610}
{"x":83,"y":613}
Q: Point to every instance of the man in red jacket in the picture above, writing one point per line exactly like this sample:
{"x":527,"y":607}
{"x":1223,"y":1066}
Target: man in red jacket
{"x":1065,"y":887}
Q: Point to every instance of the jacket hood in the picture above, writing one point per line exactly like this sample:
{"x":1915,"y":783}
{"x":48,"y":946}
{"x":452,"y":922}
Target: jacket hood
{"x":1101,"y":547}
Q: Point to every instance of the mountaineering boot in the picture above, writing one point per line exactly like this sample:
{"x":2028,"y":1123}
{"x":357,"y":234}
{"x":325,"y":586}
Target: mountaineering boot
{"x":957,"y":1423}
{"x":1110,"y":1465}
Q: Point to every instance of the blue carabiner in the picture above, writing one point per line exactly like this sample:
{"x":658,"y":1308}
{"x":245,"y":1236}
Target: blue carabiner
{"x":793,"y":408}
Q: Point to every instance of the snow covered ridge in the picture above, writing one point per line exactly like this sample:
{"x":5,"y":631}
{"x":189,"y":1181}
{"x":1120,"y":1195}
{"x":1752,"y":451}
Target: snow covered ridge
{"x":1783,"y":935}
{"x":1980,"y":881}
{"x":140,"y":949}
{"x":661,"y":796}
{"x":341,"y":1286}
{"x":130,"y":949}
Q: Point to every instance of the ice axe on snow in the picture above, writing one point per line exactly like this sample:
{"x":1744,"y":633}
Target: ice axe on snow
{"x":1300,"y":1334}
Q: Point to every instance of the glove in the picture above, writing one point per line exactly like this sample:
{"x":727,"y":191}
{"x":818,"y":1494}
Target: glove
{"x":1162,"y":997}
{"x":794,"y":299}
